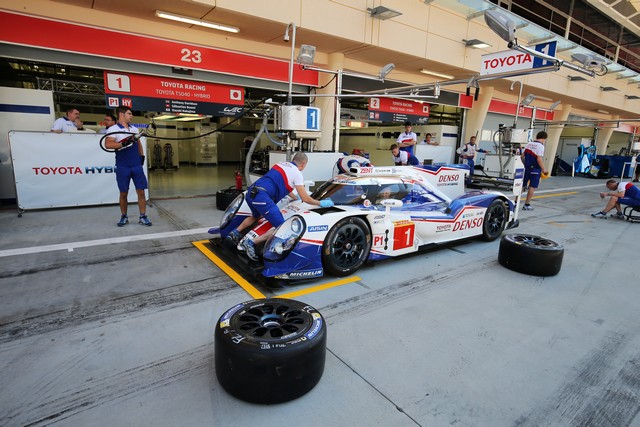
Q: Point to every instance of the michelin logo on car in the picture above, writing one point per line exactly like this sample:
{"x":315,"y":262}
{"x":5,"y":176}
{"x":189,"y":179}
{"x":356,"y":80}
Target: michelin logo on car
{"x":316,"y":228}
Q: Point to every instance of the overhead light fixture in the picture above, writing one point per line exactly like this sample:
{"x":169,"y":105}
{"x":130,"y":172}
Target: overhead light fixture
{"x":632,"y":96}
{"x":602,"y":111}
{"x":436,"y":74}
{"x":608,"y":88}
{"x":528,"y":100}
{"x":307,"y":54}
{"x":383,"y":13}
{"x":576,"y":78}
{"x":194,"y":21}
{"x":501,"y":25}
{"x":588,"y":60}
{"x":476,"y":44}
{"x":384,"y":71}
{"x":555,"y":105}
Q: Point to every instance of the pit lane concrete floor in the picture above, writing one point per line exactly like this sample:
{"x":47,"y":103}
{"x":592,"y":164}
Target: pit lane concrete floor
{"x":107,"y":326}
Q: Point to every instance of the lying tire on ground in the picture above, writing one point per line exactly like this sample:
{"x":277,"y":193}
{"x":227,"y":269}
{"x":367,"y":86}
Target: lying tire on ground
{"x":530,"y":254}
{"x":270,"y":350}
{"x":225,"y":197}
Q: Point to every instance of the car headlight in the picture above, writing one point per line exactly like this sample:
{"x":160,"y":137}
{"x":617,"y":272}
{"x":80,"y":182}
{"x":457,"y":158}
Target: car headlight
{"x":284,"y":239}
{"x":231,"y":211}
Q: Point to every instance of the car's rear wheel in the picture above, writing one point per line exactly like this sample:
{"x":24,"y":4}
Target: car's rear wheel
{"x":346,"y":246}
{"x":530,"y":254}
{"x":270,"y":350}
{"x":495,"y":220}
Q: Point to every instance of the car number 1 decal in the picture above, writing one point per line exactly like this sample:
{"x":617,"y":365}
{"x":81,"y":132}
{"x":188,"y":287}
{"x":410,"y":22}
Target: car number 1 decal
{"x":403,"y":235}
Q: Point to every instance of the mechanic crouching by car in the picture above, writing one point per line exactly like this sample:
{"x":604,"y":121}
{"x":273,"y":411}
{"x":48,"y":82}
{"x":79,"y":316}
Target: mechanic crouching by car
{"x":278,"y":183}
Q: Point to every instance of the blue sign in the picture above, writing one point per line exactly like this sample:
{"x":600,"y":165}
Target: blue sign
{"x":549,"y":49}
{"x":313,"y":118}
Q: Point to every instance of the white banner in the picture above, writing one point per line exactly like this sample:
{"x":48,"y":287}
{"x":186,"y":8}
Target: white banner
{"x":60,"y":170}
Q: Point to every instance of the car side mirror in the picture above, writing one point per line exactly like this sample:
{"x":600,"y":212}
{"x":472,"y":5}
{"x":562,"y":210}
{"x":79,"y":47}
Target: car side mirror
{"x":391,"y":203}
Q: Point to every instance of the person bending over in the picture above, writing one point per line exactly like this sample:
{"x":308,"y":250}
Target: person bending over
{"x":262,"y":196}
{"x":403,"y":158}
{"x":619,"y":193}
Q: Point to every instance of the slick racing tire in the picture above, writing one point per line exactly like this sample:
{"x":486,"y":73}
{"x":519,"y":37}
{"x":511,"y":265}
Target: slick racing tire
{"x":530,"y":254}
{"x":270,"y":350}
{"x":495,"y":220}
{"x":225,"y":197}
{"x":346,"y":247}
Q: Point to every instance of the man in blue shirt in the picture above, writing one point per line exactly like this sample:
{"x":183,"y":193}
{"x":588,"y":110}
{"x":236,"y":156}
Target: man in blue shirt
{"x":129,"y":161}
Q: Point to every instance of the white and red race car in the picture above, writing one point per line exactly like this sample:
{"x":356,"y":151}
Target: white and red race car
{"x":379,"y":212}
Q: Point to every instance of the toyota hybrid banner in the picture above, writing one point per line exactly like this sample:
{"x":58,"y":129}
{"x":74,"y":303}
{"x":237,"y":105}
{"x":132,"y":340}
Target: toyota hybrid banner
{"x":63,"y":169}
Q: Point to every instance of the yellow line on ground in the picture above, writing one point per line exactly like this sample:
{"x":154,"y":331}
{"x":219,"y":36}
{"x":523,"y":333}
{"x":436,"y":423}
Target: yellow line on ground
{"x":555,"y":195}
{"x":320,"y":287}
{"x":251,"y":290}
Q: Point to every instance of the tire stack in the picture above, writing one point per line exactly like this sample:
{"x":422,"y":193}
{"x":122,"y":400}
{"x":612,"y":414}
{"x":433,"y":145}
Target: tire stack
{"x":270,"y":350}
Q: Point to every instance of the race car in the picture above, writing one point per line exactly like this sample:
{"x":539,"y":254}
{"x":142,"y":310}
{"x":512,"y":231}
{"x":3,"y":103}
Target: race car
{"x":379,"y":213}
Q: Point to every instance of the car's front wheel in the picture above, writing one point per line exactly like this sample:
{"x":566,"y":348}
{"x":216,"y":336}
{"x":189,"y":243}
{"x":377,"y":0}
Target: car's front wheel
{"x":495,"y":220}
{"x":346,"y":247}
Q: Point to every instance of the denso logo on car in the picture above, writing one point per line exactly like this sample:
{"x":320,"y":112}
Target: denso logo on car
{"x":316,"y":228}
{"x":467,"y":223}
{"x":449,"y":178}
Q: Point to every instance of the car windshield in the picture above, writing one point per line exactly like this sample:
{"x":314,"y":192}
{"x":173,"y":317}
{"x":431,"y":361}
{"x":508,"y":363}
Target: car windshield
{"x":352,"y":193}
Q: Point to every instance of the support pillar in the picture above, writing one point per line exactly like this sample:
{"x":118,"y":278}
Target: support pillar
{"x":554,"y":132}
{"x":476,"y":116}
{"x":327,"y":105}
{"x":602,"y":140}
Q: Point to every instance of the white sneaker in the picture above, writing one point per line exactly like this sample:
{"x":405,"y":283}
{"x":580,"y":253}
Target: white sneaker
{"x":527,"y":208}
{"x":600,"y":215}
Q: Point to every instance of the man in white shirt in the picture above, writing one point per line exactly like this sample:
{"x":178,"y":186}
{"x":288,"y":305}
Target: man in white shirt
{"x":407,"y":139}
{"x":66,"y":123}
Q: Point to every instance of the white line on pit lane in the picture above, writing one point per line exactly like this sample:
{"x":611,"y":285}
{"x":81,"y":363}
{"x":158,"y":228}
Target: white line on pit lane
{"x":87,"y":243}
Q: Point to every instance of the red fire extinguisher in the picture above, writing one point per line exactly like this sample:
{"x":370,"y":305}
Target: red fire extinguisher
{"x":238,"y":180}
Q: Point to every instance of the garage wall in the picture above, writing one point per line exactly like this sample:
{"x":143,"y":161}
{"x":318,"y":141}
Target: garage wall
{"x":20,"y":109}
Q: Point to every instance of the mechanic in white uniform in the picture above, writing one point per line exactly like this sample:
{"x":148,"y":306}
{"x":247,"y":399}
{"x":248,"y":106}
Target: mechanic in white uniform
{"x":66,"y":123}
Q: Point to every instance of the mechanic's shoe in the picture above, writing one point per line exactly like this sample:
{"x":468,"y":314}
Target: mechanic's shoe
{"x":234,"y":237}
{"x":124,"y":220}
{"x":250,"y":250}
{"x":145,"y":221}
{"x":527,"y":208}
{"x":600,"y":215}
{"x":618,"y":215}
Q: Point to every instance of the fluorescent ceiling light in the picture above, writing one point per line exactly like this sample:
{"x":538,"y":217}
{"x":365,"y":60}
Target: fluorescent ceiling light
{"x":476,"y":44}
{"x":602,"y":111}
{"x":576,"y":78}
{"x":435,"y":73}
{"x":383,"y":13}
{"x":194,"y":21}
{"x":607,"y":88}
{"x":632,"y":96}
